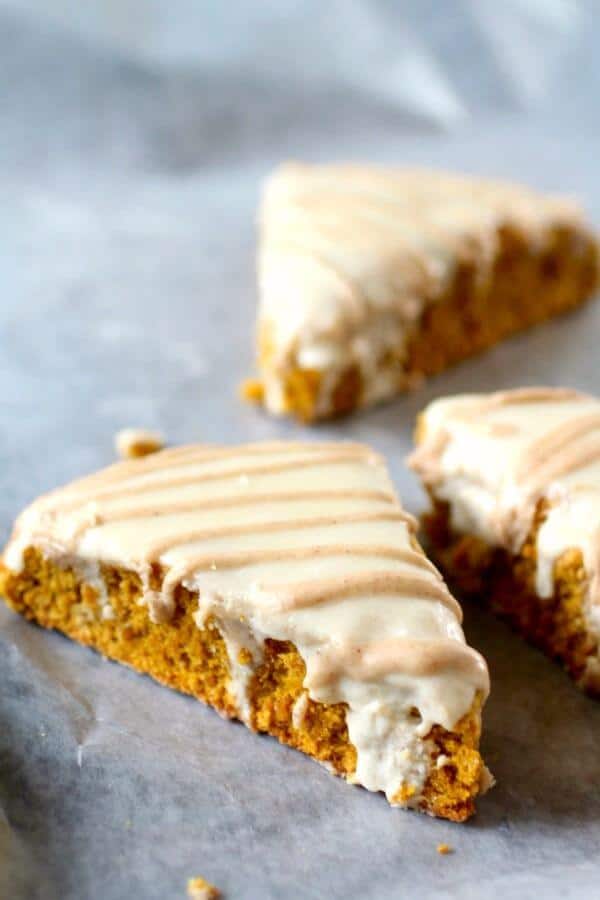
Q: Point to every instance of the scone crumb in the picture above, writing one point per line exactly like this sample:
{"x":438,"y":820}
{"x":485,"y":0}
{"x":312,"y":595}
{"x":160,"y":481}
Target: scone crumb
{"x":131,"y":443}
{"x":200,"y":889}
{"x":252,"y":390}
{"x":444,"y":849}
{"x":486,"y":781}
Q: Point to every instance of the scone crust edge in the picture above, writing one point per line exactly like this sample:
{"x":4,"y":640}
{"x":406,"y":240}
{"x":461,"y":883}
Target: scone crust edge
{"x":505,"y":582}
{"x":525,"y":287}
{"x":56,"y":598}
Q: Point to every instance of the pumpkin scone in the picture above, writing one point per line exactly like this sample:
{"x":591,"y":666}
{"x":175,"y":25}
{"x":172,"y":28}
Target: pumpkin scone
{"x":282,"y":584}
{"x":514,"y":477}
{"x":372,"y":278}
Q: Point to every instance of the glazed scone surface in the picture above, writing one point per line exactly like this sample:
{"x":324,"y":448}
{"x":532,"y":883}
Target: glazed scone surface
{"x":520,"y":470}
{"x":371,"y":278}
{"x":300,"y":561}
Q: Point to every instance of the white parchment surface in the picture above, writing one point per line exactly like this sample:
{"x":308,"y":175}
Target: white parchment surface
{"x":133,"y":139}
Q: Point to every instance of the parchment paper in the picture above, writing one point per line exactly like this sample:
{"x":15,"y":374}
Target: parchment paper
{"x":129,"y":175}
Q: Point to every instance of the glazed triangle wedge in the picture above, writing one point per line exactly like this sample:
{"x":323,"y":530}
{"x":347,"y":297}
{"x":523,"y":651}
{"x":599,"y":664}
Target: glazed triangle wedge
{"x":280,"y":583}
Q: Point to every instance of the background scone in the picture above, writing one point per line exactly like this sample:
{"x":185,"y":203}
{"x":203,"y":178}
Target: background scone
{"x":282,"y":584}
{"x":515,"y":481}
{"x":371,"y":278}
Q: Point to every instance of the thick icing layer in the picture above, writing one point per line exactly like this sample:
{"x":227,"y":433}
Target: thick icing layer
{"x":299,"y":542}
{"x":351,"y":255}
{"x":493,"y":457}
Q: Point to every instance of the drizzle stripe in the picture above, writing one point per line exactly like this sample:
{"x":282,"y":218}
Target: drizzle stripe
{"x":578,"y":458}
{"x":192,"y":454}
{"x":312,"y":593}
{"x":167,"y":508}
{"x":186,"y":480}
{"x":556,"y":444}
{"x":398,"y":655}
{"x":203,"y":561}
{"x":188,"y":537}
{"x":535,"y":395}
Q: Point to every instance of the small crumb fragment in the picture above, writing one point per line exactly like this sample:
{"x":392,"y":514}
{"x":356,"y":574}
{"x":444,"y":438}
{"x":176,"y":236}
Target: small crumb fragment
{"x":486,"y":780}
{"x":444,"y":849}
{"x":131,"y":443}
{"x":200,"y":889}
{"x":252,"y":390}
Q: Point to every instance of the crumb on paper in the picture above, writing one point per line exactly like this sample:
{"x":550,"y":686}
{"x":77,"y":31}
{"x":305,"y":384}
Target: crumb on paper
{"x":444,"y":849}
{"x":487,"y":781}
{"x":200,"y":889}
{"x":252,"y":390}
{"x":131,"y":443}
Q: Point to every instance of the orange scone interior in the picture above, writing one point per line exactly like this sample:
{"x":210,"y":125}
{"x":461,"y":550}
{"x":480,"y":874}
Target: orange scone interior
{"x":515,"y":483}
{"x":507,"y":582}
{"x":371,"y":279}
{"x":234,"y":602}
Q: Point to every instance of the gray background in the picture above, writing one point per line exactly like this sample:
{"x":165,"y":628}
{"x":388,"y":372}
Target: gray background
{"x":133,"y":139}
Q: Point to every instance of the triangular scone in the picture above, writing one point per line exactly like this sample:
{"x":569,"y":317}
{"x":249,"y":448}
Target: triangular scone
{"x":280,"y":583}
{"x":515,"y":481}
{"x":371,"y":278}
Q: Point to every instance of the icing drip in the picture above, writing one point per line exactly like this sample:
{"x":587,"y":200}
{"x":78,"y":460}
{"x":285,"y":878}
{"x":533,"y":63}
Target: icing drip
{"x":298,"y":542}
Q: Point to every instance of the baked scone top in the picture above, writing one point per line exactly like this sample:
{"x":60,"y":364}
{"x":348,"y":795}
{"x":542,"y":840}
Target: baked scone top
{"x":341,"y":242}
{"x":494,"y":457}
{"x":299,"y":542}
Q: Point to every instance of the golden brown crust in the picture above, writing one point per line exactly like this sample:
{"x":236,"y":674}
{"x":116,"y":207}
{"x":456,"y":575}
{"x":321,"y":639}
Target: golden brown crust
{"x":506,"y":582}
{"x":526,"y":286}
{"x":194,"y":660}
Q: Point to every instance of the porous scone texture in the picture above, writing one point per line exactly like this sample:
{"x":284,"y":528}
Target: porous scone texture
{"x":525,"y":286}
{"x":506,"y":582}
{"x":194,"y":660}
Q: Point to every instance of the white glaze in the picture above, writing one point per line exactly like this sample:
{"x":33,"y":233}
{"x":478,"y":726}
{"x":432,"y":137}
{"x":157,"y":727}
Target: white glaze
{"x":493,"y":457}
{"x":351,"y":255}
{"x":297,"y":542}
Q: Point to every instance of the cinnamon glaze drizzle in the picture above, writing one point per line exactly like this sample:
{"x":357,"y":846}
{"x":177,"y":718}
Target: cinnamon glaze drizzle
{"x":269,"y":515}
{"x":496,"y":457}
